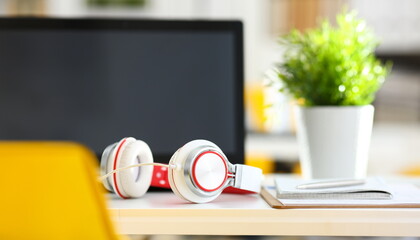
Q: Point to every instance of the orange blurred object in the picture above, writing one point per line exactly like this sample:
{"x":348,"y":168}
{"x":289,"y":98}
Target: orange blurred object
{"x":255,"y":105}
{"x":50,"y":191}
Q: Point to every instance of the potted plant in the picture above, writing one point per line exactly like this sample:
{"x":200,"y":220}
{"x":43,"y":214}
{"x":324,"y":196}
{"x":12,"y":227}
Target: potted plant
{"x":333,"y":74}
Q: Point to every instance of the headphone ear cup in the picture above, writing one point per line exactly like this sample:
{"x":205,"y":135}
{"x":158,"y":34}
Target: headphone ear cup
{"x":178,"y":179}
{"x":127,"y":183}
{"x":135,"y":184}
{"x":106,"y":165}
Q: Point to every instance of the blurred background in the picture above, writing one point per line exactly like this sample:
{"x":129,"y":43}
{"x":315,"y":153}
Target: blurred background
{"x":271,"y":141}
{"x":270,"y":138}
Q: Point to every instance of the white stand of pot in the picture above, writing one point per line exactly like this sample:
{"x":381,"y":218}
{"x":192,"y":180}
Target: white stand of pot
{"x":334,"y":141}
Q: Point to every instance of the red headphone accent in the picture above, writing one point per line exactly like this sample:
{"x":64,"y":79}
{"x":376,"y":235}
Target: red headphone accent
{"x":115,"y":167}
{"x":160,"y":179}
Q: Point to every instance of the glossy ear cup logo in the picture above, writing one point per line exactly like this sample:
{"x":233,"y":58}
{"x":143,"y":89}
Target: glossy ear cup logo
{"x":197,"y":172}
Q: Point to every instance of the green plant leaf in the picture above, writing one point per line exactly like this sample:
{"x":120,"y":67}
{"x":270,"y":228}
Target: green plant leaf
{"x":332,"y":65}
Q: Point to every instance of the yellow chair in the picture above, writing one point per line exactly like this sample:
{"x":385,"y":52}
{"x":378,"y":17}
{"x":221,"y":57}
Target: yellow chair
{"x":49,"y":191}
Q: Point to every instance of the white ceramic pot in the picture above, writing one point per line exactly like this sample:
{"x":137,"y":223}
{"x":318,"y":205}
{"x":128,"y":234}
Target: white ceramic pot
{"x":334,"y":141}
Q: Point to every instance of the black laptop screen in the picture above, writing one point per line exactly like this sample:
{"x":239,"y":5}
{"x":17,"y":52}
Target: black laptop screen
{"x":163,"y":85}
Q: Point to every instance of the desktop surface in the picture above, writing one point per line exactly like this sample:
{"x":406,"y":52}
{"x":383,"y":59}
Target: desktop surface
{"x":231,"y":214}
{"x":163,"y":213}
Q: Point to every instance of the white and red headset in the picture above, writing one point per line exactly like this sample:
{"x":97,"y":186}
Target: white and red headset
{"x":197,"y":172}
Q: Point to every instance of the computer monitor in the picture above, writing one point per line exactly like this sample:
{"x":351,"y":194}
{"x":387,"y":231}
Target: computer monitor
{"x":96,"y":81}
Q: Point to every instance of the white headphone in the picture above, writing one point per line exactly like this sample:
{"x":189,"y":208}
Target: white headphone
{"x":197,"y":172}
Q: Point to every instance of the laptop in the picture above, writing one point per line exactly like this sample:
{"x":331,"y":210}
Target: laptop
{"x":96,"y":81}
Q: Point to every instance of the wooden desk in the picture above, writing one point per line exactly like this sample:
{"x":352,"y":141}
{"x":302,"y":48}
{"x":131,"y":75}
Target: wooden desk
{"x":164,"y":213}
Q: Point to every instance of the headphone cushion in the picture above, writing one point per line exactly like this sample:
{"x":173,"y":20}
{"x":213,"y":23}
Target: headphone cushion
{"x":128,"y":184}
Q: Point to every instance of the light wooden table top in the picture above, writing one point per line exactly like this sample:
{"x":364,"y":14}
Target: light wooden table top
{"x":230,"y":214}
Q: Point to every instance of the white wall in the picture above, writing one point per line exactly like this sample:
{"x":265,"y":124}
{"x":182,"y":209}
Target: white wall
{"x":397,"y":23}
